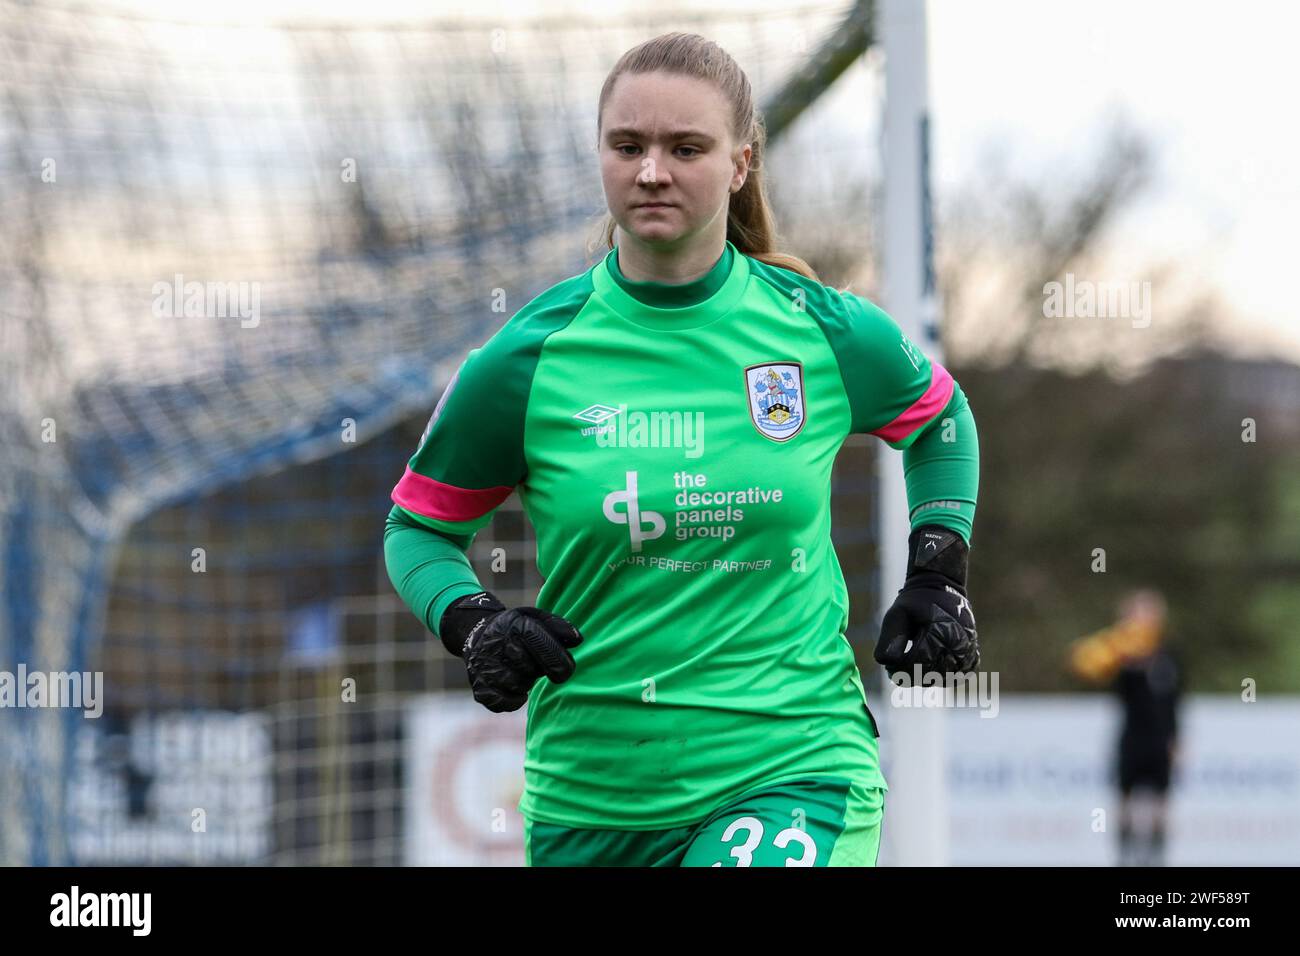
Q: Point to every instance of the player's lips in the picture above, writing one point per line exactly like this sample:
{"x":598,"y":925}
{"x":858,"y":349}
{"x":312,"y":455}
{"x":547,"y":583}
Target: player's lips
{"x":653,"y":205}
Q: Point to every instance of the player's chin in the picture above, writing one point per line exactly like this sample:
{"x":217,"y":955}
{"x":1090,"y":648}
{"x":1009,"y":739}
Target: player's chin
{"x":658,"y":229}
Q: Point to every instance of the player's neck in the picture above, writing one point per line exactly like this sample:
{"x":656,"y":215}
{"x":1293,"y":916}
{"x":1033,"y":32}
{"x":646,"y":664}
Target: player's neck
{"x":640,"y":263}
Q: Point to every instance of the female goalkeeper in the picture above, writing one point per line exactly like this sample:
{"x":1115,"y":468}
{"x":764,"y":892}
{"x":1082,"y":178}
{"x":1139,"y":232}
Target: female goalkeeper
{"x":669,"y":419}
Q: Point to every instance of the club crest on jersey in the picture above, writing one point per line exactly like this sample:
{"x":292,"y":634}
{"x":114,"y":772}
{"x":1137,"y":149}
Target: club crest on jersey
{"x":776,"y":401}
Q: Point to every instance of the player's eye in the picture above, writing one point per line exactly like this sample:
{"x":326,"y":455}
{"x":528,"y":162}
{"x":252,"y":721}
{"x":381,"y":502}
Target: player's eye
{"x":693,"y":150}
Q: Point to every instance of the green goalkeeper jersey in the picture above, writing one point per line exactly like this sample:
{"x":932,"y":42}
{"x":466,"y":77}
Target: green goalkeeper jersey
{"x":672,"y":447}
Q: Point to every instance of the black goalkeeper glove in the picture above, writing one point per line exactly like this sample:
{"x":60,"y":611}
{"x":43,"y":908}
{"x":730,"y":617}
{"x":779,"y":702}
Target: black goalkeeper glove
{"x":506,"y":651}
{"x":931,"y":622}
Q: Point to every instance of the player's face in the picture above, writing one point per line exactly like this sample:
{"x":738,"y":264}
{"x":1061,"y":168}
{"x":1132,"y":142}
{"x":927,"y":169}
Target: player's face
{"x":666,"y":139}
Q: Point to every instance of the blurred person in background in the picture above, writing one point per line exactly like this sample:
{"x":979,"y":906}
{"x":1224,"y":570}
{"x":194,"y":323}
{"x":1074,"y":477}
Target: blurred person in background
{"x":1133,"y":654}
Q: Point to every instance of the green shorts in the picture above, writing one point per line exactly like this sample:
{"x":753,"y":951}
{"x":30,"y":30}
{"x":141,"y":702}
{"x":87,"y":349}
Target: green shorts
{"x":812,"y":821}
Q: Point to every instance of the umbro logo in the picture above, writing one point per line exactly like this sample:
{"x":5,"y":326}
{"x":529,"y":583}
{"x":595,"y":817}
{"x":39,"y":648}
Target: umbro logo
{"x":595,"y":414}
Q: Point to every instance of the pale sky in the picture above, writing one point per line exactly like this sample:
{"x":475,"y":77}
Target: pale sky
{"x":1212,"y":84}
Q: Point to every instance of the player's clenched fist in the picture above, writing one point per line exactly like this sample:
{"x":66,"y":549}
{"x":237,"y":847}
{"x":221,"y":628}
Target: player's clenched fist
{"x":506,"y":651}
{"x":931,"y":623}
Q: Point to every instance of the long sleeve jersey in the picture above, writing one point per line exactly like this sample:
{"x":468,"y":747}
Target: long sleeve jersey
{"x":672,"y":447}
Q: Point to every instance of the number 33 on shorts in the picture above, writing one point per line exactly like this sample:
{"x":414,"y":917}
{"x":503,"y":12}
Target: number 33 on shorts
{"x":823,"y":821}
{"x":744,"y":853}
